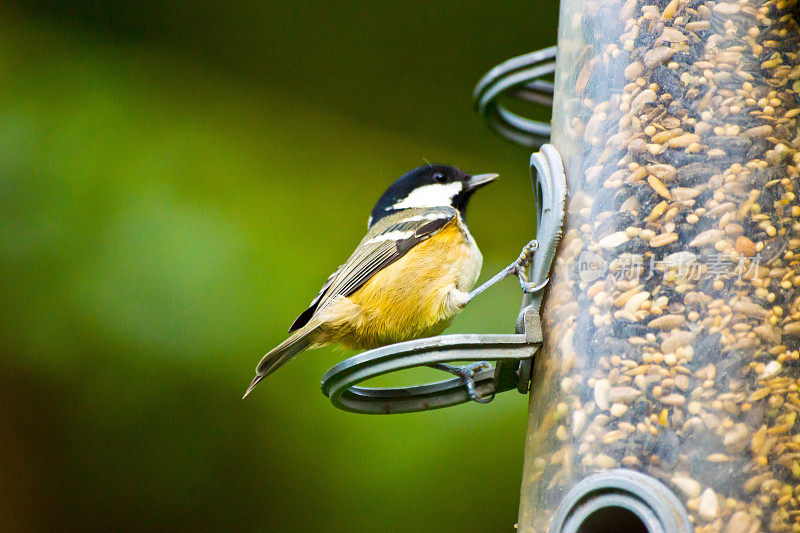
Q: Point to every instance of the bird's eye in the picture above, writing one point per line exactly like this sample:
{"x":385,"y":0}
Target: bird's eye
{"x":439,"y":177}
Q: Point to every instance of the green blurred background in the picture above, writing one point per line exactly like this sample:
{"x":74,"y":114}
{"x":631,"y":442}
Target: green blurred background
{"x":177,"y":179}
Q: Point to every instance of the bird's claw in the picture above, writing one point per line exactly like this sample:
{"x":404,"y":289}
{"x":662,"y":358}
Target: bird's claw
{"x":531,"y":288}
{"x":519,"y":269}
{"x":467,"y":375}
{"x":526,"y":255}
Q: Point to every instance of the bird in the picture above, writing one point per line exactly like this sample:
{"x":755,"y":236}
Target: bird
{"x":408,"y":277}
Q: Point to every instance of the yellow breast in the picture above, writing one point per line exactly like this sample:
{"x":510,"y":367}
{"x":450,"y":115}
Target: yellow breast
{"x":411,"y":298}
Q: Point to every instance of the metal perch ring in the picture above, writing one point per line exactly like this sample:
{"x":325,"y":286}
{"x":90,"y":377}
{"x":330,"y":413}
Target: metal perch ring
{"x":518,"y":78}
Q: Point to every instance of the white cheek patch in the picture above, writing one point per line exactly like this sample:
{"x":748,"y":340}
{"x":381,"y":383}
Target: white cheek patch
{"x":434,"y":195}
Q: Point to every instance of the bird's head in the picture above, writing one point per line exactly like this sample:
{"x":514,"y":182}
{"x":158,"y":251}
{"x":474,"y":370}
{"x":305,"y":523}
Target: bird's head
{"x":430,"y":186}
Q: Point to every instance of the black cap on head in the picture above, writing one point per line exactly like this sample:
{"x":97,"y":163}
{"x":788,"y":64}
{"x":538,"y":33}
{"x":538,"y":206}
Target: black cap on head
{"x":430,"y":186}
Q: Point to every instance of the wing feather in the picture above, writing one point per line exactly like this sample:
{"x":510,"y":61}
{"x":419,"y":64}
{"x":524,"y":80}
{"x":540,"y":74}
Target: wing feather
{"x":306,"y":315}
{"x":371,"y":256}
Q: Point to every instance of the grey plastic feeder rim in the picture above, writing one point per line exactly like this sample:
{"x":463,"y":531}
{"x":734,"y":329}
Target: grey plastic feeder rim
{"x":650,"y":500}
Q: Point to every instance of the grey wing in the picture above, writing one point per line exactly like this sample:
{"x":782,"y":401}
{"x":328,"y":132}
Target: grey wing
{"x":370,"y":257}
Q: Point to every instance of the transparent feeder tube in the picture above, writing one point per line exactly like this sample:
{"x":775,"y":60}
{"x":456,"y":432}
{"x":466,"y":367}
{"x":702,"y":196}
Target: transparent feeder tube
{"x":673,"y":315}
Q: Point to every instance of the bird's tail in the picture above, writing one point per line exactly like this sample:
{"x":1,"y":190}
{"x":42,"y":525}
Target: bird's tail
{"x":282,"y":353}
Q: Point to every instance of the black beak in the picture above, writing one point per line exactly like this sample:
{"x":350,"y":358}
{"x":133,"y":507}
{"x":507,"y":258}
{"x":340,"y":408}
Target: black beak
{"x":479,"y":180}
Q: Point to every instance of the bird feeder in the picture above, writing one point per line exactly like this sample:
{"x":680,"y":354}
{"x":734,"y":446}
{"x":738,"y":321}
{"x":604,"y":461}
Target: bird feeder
{"x":666,"y":394}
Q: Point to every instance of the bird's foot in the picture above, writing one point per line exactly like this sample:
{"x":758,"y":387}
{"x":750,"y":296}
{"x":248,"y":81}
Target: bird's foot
{"x":526,"y":255}
{"x":530,"y":287}
{"x":467,"y":375}
{"x":519,"y":268}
